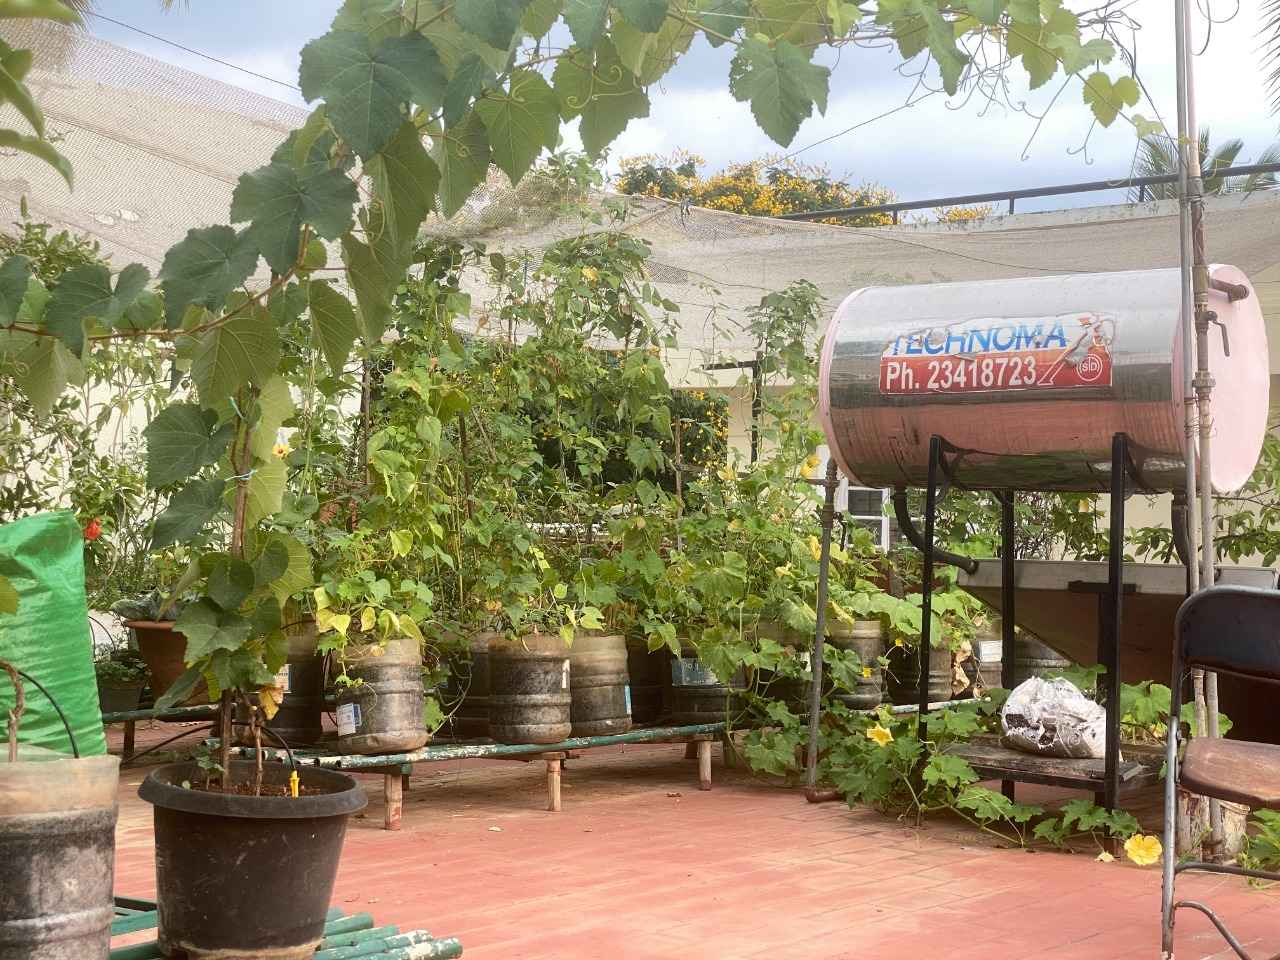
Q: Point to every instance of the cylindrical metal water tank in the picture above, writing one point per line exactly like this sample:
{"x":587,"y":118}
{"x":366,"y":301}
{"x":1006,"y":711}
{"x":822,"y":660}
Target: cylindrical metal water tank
{"x":1032,"y":377}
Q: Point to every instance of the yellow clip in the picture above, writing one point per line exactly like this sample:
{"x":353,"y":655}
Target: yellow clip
{"x":293,"y":784}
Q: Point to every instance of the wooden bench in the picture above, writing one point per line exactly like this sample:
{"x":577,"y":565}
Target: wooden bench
{"x":345,"y":935}
{"x":396,"y":767}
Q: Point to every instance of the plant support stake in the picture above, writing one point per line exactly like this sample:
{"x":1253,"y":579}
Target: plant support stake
{"x":824,"y":570}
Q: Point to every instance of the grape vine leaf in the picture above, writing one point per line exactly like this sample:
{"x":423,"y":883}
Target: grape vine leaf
{"x":209,"y":628}
{"x":365,"y":87}
{"x":455,"y":44}
{"x":493,"y":21}
{"x":987,"y":11}
{"x":230,"y":581}
{"x":781,"y":85}
{"x":277,"y":201}
{"x":520,"y":122}
{"x":404,"y":182}
{"x":586,"y":20}
{"x":334,"y":321}
{"x":1029,"y":39}
{"x":377,"y":18}
{"x":600,"y":90}
{"x":1106,"y":99}
{"x":15,"y":274}
{"x":85,"y":293}
{"x":463,"y":159}
{"x":470,"y":77}
{"x":189,"y":510}
{"x":41,"y":367}
{"x":722,"y":18}
{"x":646,"y":15}
{"x":540,"y":17}
{"x":297,"y":575}
{"x":203,"y":268}
{"x":799,"y":22}
{"x":243,"y":348}
{"x":180,"y":440}
{"x":373,"y":277}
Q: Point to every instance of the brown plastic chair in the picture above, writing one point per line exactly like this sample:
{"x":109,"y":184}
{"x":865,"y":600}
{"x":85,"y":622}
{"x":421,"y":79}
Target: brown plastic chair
{"x":1228,"y":630}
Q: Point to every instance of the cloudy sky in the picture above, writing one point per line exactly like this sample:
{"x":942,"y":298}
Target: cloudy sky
{"x":935,"y":148}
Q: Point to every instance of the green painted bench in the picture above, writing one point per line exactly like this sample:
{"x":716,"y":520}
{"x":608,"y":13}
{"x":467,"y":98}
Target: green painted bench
{"x":345,"y":937}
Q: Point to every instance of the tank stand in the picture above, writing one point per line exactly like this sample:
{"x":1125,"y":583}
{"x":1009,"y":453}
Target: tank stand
{"x":945,"y":462}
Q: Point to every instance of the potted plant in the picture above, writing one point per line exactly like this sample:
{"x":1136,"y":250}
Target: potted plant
{"x":161,"y":647}
{"x":122,"y":675}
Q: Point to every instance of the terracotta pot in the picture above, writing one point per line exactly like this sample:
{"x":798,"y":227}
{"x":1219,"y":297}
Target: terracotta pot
{"x":163,"y":649}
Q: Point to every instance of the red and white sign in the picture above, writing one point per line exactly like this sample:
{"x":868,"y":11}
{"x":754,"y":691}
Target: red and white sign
{"x":980,"y":356}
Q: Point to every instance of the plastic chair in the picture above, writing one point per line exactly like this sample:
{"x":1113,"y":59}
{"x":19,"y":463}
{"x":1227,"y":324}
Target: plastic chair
{"x":1229,"y":630}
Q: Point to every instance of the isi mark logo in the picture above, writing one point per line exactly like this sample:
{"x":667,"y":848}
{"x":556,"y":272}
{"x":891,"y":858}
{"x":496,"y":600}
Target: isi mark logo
{"x":1001,"y":354}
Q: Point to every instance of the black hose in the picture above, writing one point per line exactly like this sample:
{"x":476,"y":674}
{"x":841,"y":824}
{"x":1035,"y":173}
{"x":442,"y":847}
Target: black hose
{"x":75,"y":750}
{"x":293,"y":764}
{"x":908,"y":526}
{"x":164,"y":743}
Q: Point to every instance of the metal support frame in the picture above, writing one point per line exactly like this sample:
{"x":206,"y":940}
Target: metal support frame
{"x":1110,"y":602}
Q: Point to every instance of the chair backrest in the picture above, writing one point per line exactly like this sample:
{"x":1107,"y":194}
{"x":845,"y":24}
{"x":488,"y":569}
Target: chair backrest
{"x":1232,"y":630}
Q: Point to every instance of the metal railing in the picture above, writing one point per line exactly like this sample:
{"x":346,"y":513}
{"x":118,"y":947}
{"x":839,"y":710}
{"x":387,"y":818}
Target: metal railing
{"x":1012,"y":196}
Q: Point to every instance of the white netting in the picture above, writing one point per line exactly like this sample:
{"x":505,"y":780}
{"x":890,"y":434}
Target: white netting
{"x":158,"y":150}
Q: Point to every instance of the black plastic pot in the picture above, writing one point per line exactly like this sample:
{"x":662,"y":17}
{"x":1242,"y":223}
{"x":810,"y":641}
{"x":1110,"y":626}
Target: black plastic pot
{"x":240,"y":877}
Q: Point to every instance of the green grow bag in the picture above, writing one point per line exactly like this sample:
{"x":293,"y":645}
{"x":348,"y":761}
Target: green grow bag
{"x":48,"y":638}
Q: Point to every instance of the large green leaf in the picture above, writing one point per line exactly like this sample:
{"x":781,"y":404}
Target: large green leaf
{"x":378,"y":18}
{"x":244,"y":348}
{"x":781,"y":85}
{"x":1030,"y":39}
{"x":39,"y":9}
{"x":404,"y":183}
{"x":600,"y":90}
{"x":493,"y":21}
{"x":520,"y":123}
{"x":586,"y":20}
{"x":266,"y":490}
{"x":540,"y":17}
{"x":365,"y":89}
{"x":41,"y":367}
{"x":646,"y":15}
{"x":334,"y":323}
{"x":204,"y":268}
{"x":181,"y":689}
{"x":297,"y":576}
{"x":84,"y":293}
{"x":455,"y":44}
{"x":463,"y":159}
{"x":231,"y":580}
{"x":15,"y":274}
{"x":189,"y":511}
{"x":12,"y":140}
{"x":373,"y":276}
{"x":650,"y":55}
{"x":1107,"y":99}
{"x":208,"y":628}
{"x":278,"y":201}
{"x":465,"y":83}
{"x":275,"y":406}
{"x":723,"y":18}
{"x":180,"y":440}
{"x":14,"y":65}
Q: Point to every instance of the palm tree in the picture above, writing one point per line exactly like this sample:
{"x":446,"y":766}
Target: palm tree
{"x":1158,"y":156}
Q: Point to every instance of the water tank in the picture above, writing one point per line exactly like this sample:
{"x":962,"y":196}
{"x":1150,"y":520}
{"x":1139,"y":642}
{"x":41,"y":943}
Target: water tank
{"x":1032,"y":377}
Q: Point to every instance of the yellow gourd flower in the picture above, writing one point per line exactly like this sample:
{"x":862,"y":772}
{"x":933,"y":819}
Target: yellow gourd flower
{"x":810,"y":464}
{"x":281,"y":450}
{"x":881,"y":735}
{"x":591,"y":273}
{"x":815,"y":548}
{"x":1143,"y":849}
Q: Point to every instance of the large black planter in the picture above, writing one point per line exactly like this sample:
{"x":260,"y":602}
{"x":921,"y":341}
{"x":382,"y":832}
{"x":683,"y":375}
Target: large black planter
{"x":240,"y":877}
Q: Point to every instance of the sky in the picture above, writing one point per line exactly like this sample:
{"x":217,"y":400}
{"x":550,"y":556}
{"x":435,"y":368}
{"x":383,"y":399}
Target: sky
{"x":937,"y":147}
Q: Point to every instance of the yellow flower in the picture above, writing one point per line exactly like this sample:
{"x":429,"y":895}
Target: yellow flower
{"x":783,"y":571}
{"x":880,"y":735}
{"x":866,"y":673}
{"x":810,"y":464}
{"x":1143,"y":850}
{"x":591,"y":273}
{"x":815,"y":548}
{"x":281,"y":450}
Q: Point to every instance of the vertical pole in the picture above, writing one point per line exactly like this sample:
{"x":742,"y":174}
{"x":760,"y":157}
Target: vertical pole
{"x":553,"y":784}
{"x":1008,"y":556}
{"x":926,"y":587}
{"x":757,"y":406}
{"x":1185,"y":140}
{"x":1169,"y":855}
{"x":704,"y":764}
{"x":1112,"y":622}
{"x":393,"y":790}
{"x":815,"y":662}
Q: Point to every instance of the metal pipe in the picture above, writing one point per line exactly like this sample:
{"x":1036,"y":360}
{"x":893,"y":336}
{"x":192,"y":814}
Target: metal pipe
{"x":1091,"y":186}
{"x":824,"y":569}
{"x":1178,"y":521}
{"x":1203,"y":382}
{"x":1115,"y":608}
{"x":204,"y":711}
{"x":926,"y":583}
{"x":1008,"y":570}
{"x":902,"y":510}
{"x":1170,"y":798}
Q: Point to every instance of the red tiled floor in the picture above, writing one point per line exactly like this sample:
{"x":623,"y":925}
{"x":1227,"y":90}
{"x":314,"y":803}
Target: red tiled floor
{"x":642,"y":865}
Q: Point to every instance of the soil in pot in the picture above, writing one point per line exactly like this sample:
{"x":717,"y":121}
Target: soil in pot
{"x":57,"y":841}
{"x":272,"y":860}
{"x":163,"y":649}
